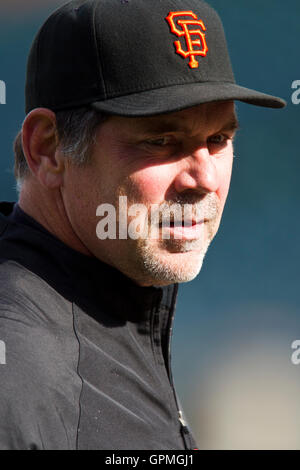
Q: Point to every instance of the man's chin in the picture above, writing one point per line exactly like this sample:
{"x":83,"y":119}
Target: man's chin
{"x":175,"y":267}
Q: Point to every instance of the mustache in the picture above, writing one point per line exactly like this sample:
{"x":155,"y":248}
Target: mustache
{"x":186,"y":208}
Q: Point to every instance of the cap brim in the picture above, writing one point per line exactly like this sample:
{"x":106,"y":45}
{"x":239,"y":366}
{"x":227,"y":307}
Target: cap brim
{"x":178,"y":97}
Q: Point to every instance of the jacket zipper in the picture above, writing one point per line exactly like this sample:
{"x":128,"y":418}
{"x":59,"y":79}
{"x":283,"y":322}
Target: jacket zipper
{"x":184,"y":427}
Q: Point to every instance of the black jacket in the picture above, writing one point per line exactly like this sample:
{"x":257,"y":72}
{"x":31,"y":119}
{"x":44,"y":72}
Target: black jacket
{"x":87,"y":351}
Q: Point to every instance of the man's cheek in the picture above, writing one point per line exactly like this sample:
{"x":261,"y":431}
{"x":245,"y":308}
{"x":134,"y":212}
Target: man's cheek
{"x":222,"y":194}
{"x":152,"y":184}
{"x":225,"y":172}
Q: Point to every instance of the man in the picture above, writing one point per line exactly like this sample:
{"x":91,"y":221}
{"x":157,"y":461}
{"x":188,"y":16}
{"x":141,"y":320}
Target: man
{"x":123,"y":165}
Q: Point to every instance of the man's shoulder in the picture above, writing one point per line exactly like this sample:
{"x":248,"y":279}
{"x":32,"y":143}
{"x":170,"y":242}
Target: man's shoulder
{"x":38,"y":361}
{"x":36,"y":325}
{"x":24,"y":294}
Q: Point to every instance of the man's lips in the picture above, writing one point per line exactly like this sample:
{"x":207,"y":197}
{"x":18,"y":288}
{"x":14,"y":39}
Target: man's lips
{"x":181,"y":223}
{"x":183,"y":230}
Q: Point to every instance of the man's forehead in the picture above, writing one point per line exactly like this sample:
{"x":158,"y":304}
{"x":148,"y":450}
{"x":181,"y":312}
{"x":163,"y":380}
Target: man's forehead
{"x":215,"y":114}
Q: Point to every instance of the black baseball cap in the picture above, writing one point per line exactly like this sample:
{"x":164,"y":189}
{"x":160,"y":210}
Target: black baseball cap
{"x":133,"y":58}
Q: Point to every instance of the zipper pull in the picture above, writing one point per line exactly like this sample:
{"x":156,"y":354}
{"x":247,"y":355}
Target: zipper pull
{"x":181,"y":419}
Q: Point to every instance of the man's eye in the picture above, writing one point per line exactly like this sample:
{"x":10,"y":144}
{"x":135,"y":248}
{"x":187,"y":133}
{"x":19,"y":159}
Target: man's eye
{"x":160,"y":142}
{"x":218,"y":139}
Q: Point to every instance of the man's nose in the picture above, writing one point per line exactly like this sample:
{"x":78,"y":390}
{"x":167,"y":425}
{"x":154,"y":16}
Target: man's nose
{"x":198,"y":172}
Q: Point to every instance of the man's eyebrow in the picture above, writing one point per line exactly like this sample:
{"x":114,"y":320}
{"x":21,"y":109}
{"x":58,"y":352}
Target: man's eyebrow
{"x":163,"y":127}
{"x":232,"y":125}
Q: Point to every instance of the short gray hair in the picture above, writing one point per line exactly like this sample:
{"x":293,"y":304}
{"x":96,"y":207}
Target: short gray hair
{"x":76,"y":130}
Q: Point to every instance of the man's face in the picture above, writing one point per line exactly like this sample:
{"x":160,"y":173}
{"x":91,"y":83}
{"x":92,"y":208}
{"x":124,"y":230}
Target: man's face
{"x":184,"y":158}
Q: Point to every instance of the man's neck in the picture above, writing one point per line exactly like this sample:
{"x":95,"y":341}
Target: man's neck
{"x":49,"y":211}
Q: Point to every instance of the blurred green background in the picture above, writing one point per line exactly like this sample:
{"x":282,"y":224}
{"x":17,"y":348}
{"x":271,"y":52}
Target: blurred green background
{"x":235,"y":323}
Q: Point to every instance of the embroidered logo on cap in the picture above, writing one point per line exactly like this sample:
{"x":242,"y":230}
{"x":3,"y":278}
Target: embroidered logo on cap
{"x":187,"y":33}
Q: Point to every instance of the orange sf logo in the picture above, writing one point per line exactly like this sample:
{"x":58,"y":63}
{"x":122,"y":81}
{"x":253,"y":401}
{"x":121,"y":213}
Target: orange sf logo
{"x":201,"y":42}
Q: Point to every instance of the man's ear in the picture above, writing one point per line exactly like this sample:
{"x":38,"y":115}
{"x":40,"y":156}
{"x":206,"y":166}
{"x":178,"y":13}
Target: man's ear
{"x":40,"y":146}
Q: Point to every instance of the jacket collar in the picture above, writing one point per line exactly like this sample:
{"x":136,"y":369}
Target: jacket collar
{"x":79,"y":278}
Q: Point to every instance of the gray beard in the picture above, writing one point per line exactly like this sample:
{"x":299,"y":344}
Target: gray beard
{"x":161,"y":268}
